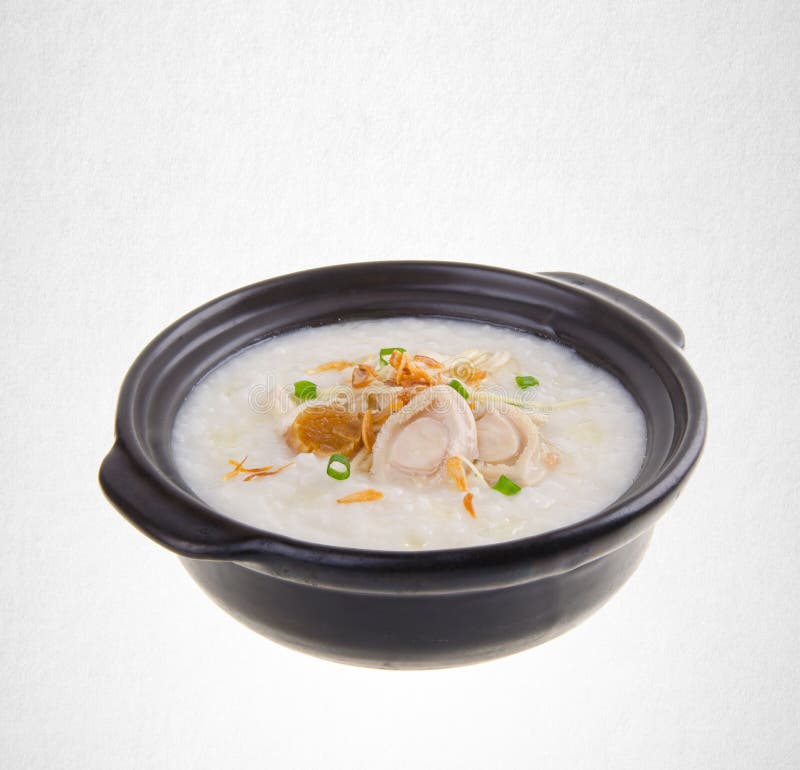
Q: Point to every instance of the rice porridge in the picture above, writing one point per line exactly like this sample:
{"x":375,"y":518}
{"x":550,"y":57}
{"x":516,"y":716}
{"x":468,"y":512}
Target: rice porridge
{"x":407,"y":434}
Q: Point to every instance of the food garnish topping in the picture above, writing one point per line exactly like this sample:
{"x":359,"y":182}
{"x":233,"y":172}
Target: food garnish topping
{"x":252,"y":473}
{"x":365,"y":496}
{"x":382,"y":392}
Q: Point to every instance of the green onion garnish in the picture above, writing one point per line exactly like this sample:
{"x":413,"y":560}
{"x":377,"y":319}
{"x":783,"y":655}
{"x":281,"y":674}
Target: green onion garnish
{"x":387,"y":352}
{"x":305,"y":390}
{"x":459,"y":388}
{"x":336,"y":474}
{"x":506,"y":486}
{"x":526,"y":381}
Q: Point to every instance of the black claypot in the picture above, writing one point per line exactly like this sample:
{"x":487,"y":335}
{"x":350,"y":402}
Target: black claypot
{"x":424,"y":609}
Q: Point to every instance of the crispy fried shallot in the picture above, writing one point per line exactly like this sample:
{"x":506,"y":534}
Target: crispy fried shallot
{"x":408,"y":374}
{"x":470,"y":508}
{"x":367,"y":430}
{"x":477,"y":376}
{"x":261,"y":474}
{"x":456,"y":470}
{"x":428,"y":361}
{"x":364,"y":496}
{"x":331,"y":366}
{"x":238,"y":467}
{"x":363,"y":375}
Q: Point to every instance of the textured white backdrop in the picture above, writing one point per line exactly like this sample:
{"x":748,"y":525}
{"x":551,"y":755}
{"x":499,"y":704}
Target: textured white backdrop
{"x":154,"y":155}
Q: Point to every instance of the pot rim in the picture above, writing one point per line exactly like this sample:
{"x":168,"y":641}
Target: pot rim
{"x":138,"y":485}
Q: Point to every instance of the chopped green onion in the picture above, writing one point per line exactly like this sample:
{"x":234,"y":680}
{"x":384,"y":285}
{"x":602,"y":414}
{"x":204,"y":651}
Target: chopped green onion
{"x":506,"y":486}
{"x":305,"y":390}
{"x":459,"y":388}
{"x":336,"y":474}
{"x":526,"y":381}
{"x":387,"y":352}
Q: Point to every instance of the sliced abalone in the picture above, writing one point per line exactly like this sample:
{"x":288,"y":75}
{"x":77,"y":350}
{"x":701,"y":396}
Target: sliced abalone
{"x":417,"y":440}
{"x":509,"y":444}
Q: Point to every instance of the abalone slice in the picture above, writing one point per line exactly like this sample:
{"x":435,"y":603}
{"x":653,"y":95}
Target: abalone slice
{"x":418,"y":439}
{"x":509,"y":444}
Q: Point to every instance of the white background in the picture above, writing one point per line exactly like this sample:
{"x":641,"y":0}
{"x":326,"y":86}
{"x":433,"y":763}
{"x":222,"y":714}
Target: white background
{"x":155,"y":155}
